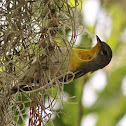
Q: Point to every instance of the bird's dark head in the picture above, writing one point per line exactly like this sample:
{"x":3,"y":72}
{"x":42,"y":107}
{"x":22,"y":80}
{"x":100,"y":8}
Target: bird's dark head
{"x":104,"y":55}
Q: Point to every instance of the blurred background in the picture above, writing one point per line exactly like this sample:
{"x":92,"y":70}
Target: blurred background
{"x":100,"y":98}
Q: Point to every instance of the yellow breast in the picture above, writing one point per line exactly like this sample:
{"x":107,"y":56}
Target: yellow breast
{"x":80,"y":57}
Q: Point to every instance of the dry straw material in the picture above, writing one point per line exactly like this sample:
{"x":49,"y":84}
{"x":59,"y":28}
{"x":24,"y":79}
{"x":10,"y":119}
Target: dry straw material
{"x":32,"y":62}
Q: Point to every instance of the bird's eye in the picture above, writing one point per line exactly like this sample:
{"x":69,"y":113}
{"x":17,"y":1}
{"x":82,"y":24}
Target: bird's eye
{"x":104,"y":52}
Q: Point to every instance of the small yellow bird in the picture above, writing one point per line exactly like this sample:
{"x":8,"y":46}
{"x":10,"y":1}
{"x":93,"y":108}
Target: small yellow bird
{"x":90,"y":60}
{"x":78,"y":61}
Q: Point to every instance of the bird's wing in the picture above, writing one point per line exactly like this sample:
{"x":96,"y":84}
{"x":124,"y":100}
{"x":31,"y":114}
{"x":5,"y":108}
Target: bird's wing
{"x":80,"y":73}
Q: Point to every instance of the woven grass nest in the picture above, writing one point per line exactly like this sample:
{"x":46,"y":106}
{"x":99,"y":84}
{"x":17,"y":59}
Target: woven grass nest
{"x":31,"y":34}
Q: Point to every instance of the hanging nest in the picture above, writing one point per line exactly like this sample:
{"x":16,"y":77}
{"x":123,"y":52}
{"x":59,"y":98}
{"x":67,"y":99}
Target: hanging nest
{"x":32,"y":33}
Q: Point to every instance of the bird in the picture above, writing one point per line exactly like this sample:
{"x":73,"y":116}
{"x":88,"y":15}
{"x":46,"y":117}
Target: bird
{"x":77,"y":61}
{"x":90,"y":60}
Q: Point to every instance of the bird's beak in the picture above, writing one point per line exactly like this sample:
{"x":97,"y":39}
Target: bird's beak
{"x":98,"y":39}
{"x":99,"y":42}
